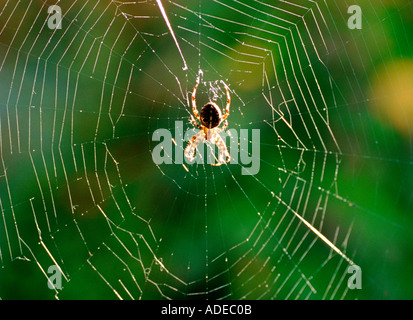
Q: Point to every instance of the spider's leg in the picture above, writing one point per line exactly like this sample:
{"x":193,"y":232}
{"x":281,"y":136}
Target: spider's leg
{"x":192,"y":144}
{"x":228,"y":101}
{"x":196,"y":124}
{"x":224,"y":156}
{"x":194,"y":108}
{"x":224,"y":127}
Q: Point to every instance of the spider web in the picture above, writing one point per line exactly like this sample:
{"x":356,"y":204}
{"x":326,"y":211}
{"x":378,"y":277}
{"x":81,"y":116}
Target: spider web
{"x":79,"y":188}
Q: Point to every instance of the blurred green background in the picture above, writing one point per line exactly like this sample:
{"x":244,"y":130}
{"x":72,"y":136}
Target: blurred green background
{"x":78,"y":187}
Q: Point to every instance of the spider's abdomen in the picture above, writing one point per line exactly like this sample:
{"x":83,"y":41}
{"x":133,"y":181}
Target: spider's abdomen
{"x":210,"y":115}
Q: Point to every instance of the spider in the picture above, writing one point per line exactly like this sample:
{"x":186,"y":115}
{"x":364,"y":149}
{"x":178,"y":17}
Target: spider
{"x":210,"y":118}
